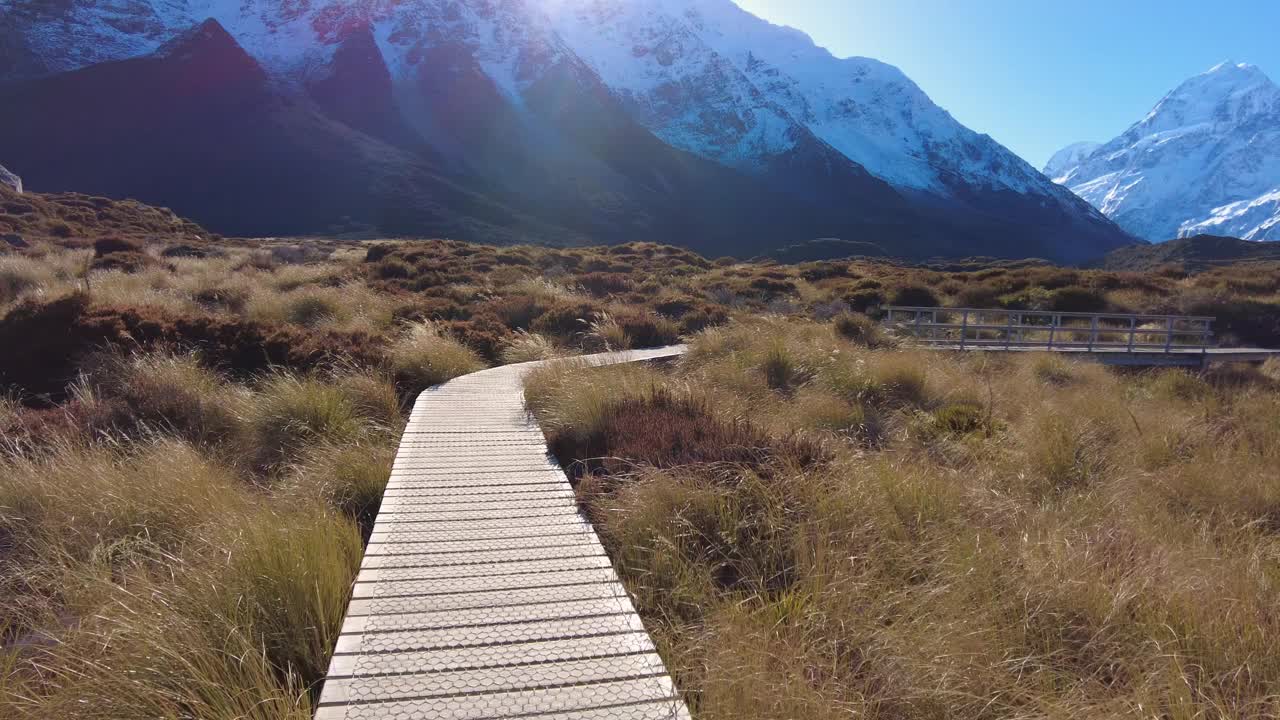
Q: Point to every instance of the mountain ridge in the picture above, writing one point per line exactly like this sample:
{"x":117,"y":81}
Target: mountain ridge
{"x":450,"y":83}
{"x":1204,"y":160}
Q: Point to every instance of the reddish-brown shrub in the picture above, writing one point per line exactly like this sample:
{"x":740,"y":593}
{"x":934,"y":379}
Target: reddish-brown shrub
{"x":647,"y":330}
{"x":913,"y":296}
{"x":667,"y":431}
{"x":601,"y":284}
{"x":516,"y":311}
{"x":111,"y":244}
{"x":55,"y":335}
{"x":565,"y":320}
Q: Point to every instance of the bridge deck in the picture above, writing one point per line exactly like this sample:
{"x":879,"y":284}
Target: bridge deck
{"x":1112,"y":355}
{"x":483,"y":593}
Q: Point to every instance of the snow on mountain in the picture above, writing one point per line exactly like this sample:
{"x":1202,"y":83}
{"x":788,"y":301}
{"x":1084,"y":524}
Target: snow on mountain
{"x":1256,"y":219}
{"x":1067,"y":158}
{"x":1205,"y":159}
{"x":769,"y":84}
{"x":703,"y":76}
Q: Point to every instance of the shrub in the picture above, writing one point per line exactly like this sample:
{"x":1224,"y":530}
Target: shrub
{"x":860,"y":329}
{"x":425,"y":356}
{"x":675,"y":307}
{"x":231,"y":299}
{"x":666,"y":431}
{"x":564,"y":320}
{"x":517,"y":311}
{"x":393,"y":268}
{"x":912,"y":296}
{"x":375,"y":253}
{"x":109,"y":245}
{"x":60,"y":229}
{"x":601,"y":284}
{"x":700,"y":319}
{"x":978,"y":296}
{"x":1077,"y":299}
{"x":863,"y":300}
{"x":645,"y":330}
{"x":770,"y":286}
{"x":606,"y":334}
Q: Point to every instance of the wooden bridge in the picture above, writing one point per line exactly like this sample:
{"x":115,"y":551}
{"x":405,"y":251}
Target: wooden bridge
{"x":1110,"y":338}
{"x":483,"y":593}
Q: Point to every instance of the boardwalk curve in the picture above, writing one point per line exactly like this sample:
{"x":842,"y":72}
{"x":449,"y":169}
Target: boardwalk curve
{"x":483,"y":593}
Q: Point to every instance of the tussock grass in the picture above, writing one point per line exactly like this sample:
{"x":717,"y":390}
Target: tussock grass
{"x":424,"y":356}
{"x":22,"y":277}
{"x":290,"y":414}
{"x":171,"y":392}
{"x":349,"y":477}
{"x":814,"y":526}
{"x":1013,"y":536}
{"x":525,"y":346}
{"x":147,"y":571}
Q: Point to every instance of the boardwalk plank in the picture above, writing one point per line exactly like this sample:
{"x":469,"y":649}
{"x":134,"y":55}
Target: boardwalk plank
{"x":483,"y":592}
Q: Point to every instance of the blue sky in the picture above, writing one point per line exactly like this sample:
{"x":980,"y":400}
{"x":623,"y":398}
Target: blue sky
{"x":1039,"y":74}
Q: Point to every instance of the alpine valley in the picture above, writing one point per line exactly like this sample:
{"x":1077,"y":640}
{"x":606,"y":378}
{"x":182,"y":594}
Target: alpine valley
{"x":558,"y":121}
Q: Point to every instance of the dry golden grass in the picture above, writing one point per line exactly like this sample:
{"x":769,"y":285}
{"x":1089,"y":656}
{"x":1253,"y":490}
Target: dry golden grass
{"x":992,"y":536}
{"x":187,"y":547}
{"x":825,"y":527}
{"x":424,"y":356}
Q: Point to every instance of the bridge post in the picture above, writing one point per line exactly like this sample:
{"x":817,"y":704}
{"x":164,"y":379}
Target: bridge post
{"x":1053,"y":328}
{"x":1133,"y":327}
{"x":964,"y":328}
{"x":1093,"y":331}
{"x":1168,"y":334}
{"x":1008,"y":330}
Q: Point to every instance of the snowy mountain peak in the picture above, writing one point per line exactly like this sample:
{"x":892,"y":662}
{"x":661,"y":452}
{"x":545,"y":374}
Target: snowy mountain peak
{"x":1206,"y":158}
{"x":1228,"y":92}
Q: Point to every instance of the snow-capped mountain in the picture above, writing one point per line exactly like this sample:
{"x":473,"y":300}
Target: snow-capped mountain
{"x":1067,"y":158}
{"x":583,"y":111}
{"x":1205,"y":160}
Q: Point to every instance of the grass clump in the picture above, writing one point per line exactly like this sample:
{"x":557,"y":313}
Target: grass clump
{"x":290,"y":413}
{"x":171,"y":392}
{"x":424,"y":356}
{"x":860,"y":329}
{"x":528,"y":347}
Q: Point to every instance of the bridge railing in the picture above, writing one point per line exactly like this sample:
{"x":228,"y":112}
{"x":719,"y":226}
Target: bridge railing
{"x":1050,"y":330}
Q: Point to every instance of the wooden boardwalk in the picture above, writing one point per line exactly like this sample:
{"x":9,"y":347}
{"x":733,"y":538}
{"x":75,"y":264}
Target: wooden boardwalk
{"x":483,"y":593}
{"x":1108,"y":338}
